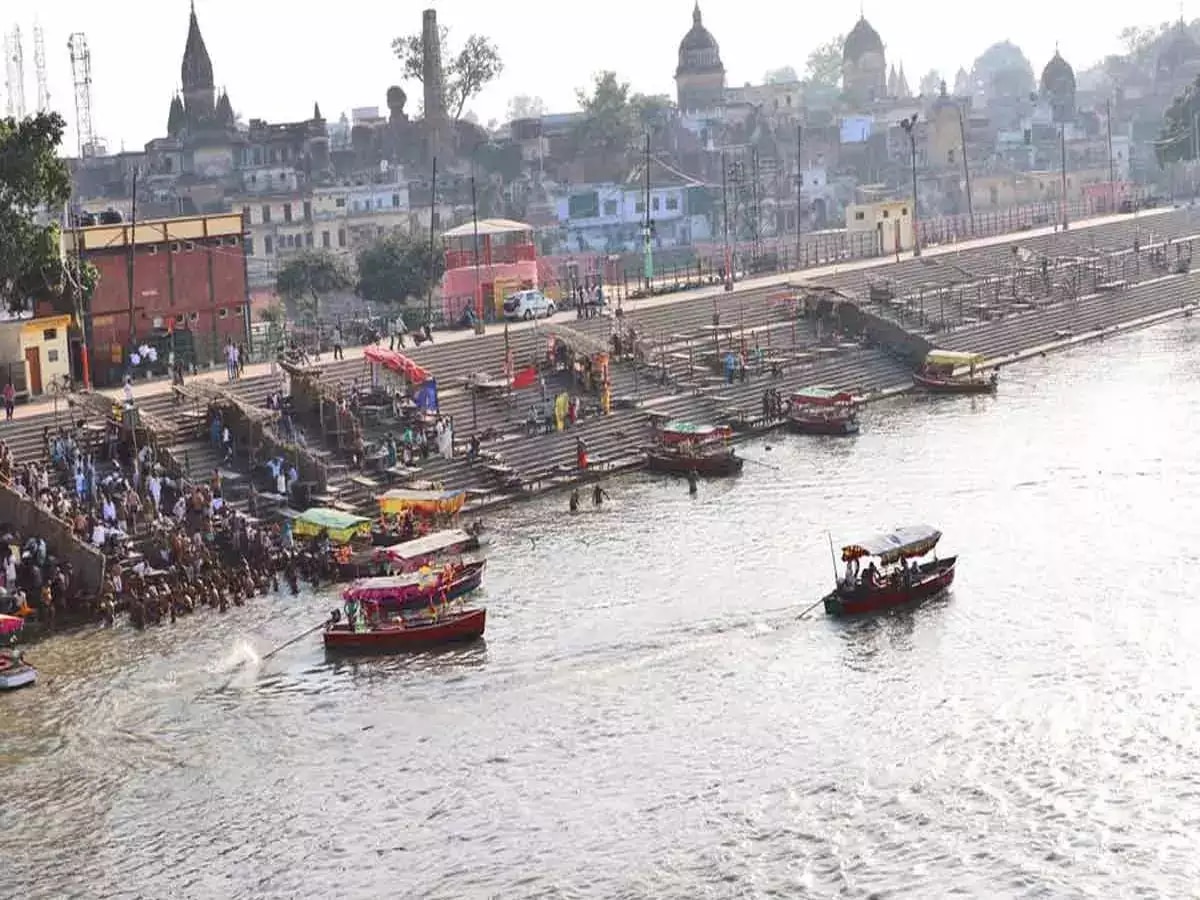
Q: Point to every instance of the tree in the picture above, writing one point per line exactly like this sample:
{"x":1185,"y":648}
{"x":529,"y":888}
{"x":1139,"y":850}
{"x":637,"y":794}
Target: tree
{"x":1138,"y":41}
{"x":931,"y":83}
{"x":824,"y":65}
{"x":523,"y":106}
{"x":1176,"y":140}
{"x":469,"y":71}
{"x":32,"y":179}
{"x":782,"y":75}
{"x":610,"y":123}
{"x":397,"y":267}
{"x":305,"y":278}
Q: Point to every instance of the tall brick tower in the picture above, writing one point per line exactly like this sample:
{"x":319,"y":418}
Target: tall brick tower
{"x":435,"y":101}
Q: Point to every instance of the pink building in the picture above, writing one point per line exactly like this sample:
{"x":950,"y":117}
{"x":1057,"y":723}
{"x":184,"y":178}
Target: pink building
{"x":507,"y":262}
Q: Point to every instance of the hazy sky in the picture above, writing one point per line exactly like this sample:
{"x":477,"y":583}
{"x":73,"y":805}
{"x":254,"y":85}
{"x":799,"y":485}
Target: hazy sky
{"x":276,"y":59}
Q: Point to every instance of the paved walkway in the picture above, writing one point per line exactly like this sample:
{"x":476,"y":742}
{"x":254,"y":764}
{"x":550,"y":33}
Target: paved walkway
{"x":163,"y":385}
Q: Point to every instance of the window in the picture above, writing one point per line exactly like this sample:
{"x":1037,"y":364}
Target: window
{"x":51,"y":356}
{"x":249,"y":246}
{"x":224,"y":313}
{"x":246,"y":214}
{"x":610,"y":207}
{"x":672,"y":203}
{"x":180,"y":319}
{"x":640,"y":207}
{"x":859,"y":216}
{"x":904,"y":211}
{"x":379,"y":203}
{"x":189,"y":246}
{"x":253,"y":178}
{"x":152,"y":250}
{"x":341,"y":237}
{"x":950,"y":157}
{"x":395,"y":201}
{"x":231,"y":241}
{"x":50,"y":334}
{"x":994,"y":196}
{"x":287,"y":212}
{"x":307,"y":210}
{"x":193,"y":317}
{"x":267,"y":249}
{"x":885,"y":213}
{"x":654,"y":204}
{"x":340,"y":202}
{"x":308,"y":239}
{"x":266,"y":213}
{"x":325,"y":239}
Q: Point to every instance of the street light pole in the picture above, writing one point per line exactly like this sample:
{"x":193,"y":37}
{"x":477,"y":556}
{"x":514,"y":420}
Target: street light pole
{"x":1063,"y":139}
{"x":725,"y":222}
{"x":910,"y":127}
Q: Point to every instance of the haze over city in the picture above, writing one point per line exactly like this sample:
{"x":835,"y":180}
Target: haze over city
{"x":275,"y":62}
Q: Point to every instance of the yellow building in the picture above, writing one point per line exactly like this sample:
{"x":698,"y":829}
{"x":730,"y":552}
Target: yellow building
{"x":891,"y":220}
{"x":34,"y":353}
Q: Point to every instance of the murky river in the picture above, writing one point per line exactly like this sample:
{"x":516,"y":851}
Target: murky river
{"x":649,"y":718}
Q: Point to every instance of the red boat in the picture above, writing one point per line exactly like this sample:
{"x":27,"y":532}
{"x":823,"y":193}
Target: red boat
{"x":392,"y":592}
{"x":823,"y":410}
{"x":940,"y":374}
{"x":892,"y":582}
{"x":684,"y":447}
{"x":400,"y":635}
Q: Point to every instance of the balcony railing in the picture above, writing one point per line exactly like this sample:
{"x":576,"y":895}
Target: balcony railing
{"x":513,"y":253}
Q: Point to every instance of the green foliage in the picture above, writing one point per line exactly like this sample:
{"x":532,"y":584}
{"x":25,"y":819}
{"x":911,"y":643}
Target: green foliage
{"x":523,"y":106}
{"x":610,"y":123}
{"x":305,"y":278}
{"x":397,"y":267}
{"x":1176,"y":140}
{"x":931,"y":84}
{"x":824,"y":65}
{"x":782,"y":75}
{"x":32,"y":179}
{"x":467,"y":73}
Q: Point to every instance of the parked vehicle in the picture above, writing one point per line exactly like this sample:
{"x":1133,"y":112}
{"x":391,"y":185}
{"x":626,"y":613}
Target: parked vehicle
{"x":528,"y":305}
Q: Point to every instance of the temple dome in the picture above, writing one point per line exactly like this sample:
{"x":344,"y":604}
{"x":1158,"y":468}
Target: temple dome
{"x":1058,"y":78}
{"x":699,"y":51}
{"x":861,"y":40}
{"x":1179,"y":49}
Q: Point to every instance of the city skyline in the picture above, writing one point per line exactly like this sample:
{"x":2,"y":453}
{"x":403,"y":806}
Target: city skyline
{"x":276,"y":69}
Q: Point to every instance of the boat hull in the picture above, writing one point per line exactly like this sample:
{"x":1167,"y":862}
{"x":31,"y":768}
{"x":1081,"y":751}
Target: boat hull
{"x":936,"y":577}
{"x":823,"y":426}
{"x":955,"y":385}
{"x":707,"y":465}
{"x":453,"y":628}
{"x":16,"y":676}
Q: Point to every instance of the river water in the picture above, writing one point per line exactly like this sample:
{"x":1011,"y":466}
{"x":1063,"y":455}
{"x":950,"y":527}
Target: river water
{"x":649,"y":718}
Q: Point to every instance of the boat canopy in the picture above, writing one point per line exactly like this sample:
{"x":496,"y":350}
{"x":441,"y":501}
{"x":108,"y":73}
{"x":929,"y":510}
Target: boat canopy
{"x":383,"y":587}
{"x":678,"y":431}
{"x":341,"y":526}
{"x":900,"y":543}
{"x":431,"y":544}
{"x":398,"y":363}
{"x":953,"y":358}
{"x":822,"y":396}
{"x":429,"y":503}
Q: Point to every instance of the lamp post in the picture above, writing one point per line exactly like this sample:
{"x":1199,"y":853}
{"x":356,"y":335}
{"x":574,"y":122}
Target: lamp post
{"x":1062,"y":135}
{"x":910,"y":128}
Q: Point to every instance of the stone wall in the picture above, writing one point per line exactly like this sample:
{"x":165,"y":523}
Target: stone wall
{"x":29,"y":519}
{"x":899,"y":342}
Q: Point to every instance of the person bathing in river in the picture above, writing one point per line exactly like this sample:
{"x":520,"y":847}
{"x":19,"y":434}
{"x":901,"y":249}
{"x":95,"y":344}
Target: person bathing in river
{"x":573,"y":504}
{"x":693,"y":480}
{"x":599,"y":495}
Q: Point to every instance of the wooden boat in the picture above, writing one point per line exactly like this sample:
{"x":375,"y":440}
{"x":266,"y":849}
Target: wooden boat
{"x":410,"y":556}
{"x":707,"y":462}
{"x":893,"y":583}
{"x":15,"y":672}
{"x":393,"y":592}
{"x":942,"y":373}
{"x":402,"y":635}
{"x":822,"y":410}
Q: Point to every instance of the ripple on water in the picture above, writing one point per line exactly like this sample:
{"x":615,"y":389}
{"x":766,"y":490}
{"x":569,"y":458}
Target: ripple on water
{"x":648,"y":718}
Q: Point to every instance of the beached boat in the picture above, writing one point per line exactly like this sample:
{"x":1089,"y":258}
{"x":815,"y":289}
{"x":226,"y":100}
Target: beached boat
{"x":823,"y":410}
{"x":889,"y":581}
{"x":706,"y":462}
{"x":678,"y":433}
{"x":401,"y":635}
{"x":953,"y":372}
{"x":410,"y":556}
{"x":417,"y":589}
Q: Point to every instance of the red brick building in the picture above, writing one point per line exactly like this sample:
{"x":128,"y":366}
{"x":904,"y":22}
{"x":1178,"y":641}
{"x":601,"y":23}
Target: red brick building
{"x":188,"y":279}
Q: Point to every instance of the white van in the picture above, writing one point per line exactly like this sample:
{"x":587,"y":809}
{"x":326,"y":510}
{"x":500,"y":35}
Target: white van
{"x":527,"y":305}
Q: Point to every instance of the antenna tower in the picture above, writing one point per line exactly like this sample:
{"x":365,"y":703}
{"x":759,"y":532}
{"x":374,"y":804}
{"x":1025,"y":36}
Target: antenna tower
{"x":81,"y":74}
{"x":14,"y":61}
{"x":39,"y":66}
